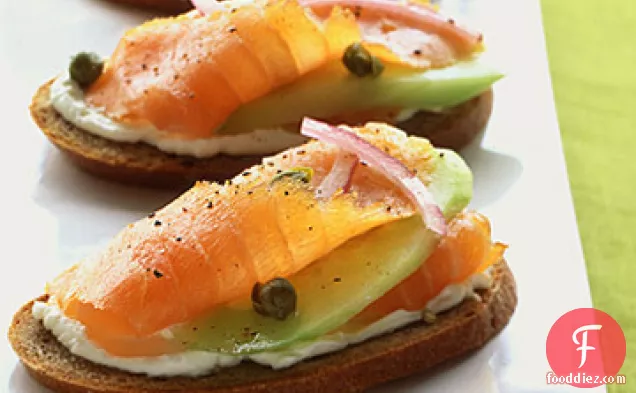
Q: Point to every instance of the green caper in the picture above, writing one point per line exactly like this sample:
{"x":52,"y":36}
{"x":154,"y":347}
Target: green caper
{"x":302,"y":174}
{"x":85,"y":68}
{"x":276,"y":298}
{"x":360,"y":62}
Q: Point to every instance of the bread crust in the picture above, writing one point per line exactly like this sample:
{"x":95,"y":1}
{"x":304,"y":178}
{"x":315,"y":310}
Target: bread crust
{"x":407,"y":351}
{"x":142,"y":164}
{"x":171,"y":6}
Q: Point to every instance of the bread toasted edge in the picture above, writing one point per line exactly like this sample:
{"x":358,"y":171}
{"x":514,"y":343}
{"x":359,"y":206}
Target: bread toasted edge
{"x":171,"y":6}
{"x":144,"y":165}
{"x":407,"y":351}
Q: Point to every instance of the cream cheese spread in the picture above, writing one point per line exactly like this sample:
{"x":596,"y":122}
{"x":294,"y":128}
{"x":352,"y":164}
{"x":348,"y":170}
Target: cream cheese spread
{"x":195,"y":363}
{"x":68,"y":100}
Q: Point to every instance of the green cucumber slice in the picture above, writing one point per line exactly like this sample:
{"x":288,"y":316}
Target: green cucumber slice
{"x":332,"y":90}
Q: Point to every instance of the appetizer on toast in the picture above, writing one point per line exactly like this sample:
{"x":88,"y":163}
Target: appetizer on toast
{"x":336,"y":265}
{"x":207,"y":93}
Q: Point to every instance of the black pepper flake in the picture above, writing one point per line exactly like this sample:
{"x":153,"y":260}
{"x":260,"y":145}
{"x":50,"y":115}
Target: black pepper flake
{"x":441,"y":155}
{"x":279,"y":171}
{"x":417,"y":52}
{"x":178,"y":238}
{"x":311,"y":228}
{"x":357,"y":11}
{"x":191,"y":96}
{"x":151,"y":215}
{"x":246,"y":173}
{"x":176,"y":76}
{"x":233,"y":10}
{"x":451,"y":21}
{"x":300,"y":152}
{"x":270,"y":163}
{"x":232,"y":29}
{"x":217,"y":192}
{"x":157,"y":223}
{"x":250,"y":192}
{"x":144,"y":67}
{"x":388,"y":209}
{"x":184,"y":209}
{"x":337,"y":279}
{"x":284,"y":156}
{"x":364,"y":163}
{"x":147,"y":269}
{"x":286,"y":193}
{"x":157,"y":273}
{"x":210,"y":205}
{"x":194,"y":328}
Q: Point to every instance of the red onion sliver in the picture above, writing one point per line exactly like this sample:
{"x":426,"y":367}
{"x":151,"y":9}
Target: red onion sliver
{"x":340,"y":175}
{"x":391,"y":167}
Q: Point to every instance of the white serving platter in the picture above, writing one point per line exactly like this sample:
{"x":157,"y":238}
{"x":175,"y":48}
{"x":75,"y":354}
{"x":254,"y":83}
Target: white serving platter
{"x":53,"y":214}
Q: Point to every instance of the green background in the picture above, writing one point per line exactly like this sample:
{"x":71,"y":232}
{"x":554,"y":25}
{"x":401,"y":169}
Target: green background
{"x":592,"y":55}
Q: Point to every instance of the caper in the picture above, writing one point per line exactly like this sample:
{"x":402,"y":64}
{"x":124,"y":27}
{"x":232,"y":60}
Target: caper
{"x":302,"y":174}
{"x":361,"y":62}
{"x":276,"y":298}
{"x":85,"y":68}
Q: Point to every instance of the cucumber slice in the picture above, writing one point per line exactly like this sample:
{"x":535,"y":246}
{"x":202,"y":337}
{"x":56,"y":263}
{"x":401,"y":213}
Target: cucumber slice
{"x":332,"y":90}
{"x":337,"y":287}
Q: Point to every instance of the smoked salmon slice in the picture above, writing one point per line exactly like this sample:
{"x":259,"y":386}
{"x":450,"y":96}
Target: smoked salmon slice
{"x":213,"y":243}
{"x":465,"y":250}
{"x":185,"y":75}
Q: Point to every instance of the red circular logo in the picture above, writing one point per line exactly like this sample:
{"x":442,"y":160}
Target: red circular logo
{"x":585,"y":347}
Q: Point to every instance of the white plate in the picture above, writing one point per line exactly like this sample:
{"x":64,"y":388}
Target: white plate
{"x":53,"y":214}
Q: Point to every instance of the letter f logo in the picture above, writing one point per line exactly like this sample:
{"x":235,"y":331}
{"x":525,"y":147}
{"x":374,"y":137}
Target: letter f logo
{"x":584,"y":347}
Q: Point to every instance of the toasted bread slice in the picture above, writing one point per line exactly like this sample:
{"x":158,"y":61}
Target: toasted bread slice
{"x":171,"y":6}
{"x":142,"y":164}
{"x":404,"y":352}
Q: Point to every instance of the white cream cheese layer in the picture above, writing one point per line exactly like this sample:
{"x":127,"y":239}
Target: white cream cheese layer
{"x":194,"y":363}
{"x":68,"y":100}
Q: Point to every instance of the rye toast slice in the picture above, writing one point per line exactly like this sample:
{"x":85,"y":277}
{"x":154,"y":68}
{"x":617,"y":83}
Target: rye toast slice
{"x":145,"y":165}
{"x":407,"y":351}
